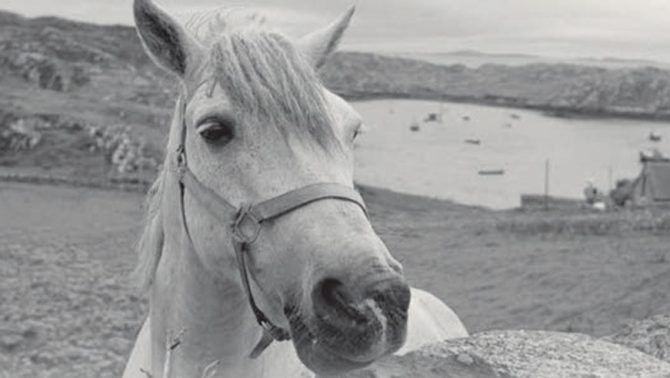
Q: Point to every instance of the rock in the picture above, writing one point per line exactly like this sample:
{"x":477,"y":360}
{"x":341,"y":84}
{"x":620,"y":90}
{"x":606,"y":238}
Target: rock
{"x":651,"y":336}
{"x":44,"y":71}
{"x":21,"y":134}
{"x":10,"y":343}
{"x":519,"y":354}
{"x":465,"y":359}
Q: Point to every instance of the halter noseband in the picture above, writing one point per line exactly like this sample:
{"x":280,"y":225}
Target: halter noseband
{"x":246,"y":222}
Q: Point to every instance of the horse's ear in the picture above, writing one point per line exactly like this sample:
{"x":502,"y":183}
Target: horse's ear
{"x":319,"y":45}
{"x":166,"y":42}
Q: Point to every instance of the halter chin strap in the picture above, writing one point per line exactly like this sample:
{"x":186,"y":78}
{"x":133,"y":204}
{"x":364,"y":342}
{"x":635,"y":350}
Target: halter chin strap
{"x":246,"y":221}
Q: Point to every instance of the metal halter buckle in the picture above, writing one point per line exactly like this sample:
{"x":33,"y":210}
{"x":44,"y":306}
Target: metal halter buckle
{"x":181,"y":155}
{"x":180,"y":167}
{"x":246,"y":218}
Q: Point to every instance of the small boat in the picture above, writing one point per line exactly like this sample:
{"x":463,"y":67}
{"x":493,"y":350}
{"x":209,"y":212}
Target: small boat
{"x":654,"y":137}
{"x":492,"y":172}
{"x":515,"y":116}
{"x":476,"y":142}
{"x":414,"y":126}
{"x":466,"y":118}
{"x":435,"y":116}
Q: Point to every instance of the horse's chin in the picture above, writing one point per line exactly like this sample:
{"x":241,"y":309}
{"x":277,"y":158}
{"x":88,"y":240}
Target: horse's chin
{"x":322,"y":360}
{"x":323,"y":355}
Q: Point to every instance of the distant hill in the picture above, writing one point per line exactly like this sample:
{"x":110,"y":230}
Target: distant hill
{"x":561,"y":88}
{"x":84,"y":99}
{"x":638,"y":62}
{"x":474,"y":59}
{"x":480,"y":54}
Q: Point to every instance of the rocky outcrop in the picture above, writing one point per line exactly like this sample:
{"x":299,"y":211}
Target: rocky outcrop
{"x":643,"y":91}
{"x":123,"y":150}
{"x":520,"y":354}
{"x":22,"y":134}
{"x":651,"y":336}
{"x":43,"y":71}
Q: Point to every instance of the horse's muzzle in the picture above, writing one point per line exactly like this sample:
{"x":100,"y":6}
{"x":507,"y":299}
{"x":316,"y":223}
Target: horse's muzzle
{"x":361,"y":320}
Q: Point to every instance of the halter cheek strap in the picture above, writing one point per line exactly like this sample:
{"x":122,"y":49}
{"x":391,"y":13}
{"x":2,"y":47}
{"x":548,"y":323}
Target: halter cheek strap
{"x":246,"y":222}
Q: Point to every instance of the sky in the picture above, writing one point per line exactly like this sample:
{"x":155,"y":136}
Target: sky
{"x":631,"y":29}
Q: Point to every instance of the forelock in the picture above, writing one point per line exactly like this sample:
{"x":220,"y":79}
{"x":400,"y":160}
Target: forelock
{"x":264,"y":75}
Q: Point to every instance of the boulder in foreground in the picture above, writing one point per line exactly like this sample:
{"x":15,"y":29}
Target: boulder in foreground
{"x":520,"y":354}
{"x":651,"y":336}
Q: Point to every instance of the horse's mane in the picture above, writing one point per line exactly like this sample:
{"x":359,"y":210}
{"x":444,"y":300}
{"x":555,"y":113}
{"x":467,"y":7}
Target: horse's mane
{"x":265,"y":77}
{"x":150,"y":246}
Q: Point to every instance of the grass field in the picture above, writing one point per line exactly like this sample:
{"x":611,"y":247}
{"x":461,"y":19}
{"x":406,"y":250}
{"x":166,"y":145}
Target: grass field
{"x":68,"y":308}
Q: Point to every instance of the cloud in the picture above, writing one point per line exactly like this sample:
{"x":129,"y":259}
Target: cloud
{"x":628,"y":28}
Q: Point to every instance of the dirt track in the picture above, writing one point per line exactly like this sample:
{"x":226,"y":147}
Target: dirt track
{"x":68,"y":309}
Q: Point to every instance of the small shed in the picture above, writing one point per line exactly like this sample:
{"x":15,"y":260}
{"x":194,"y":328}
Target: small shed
{"x":652,"y":186}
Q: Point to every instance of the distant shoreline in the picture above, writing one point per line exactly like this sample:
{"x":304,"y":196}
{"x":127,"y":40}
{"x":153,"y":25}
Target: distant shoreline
{"x":551,"y":111}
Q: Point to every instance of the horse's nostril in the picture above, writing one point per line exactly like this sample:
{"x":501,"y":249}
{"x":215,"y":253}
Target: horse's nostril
{"x":333,"y":292}
{"x":332,"y":299}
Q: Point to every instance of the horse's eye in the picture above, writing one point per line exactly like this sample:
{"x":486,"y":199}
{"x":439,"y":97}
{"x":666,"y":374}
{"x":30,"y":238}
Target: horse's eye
{"x":358,"y":131}
{"x":216,"y":131}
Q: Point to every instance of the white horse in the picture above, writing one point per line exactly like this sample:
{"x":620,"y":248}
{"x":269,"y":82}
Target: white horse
{"x":253,"y":122}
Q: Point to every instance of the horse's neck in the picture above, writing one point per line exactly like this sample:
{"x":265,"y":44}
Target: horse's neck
{"x":211,"y":313}
{"x":278,"y":360}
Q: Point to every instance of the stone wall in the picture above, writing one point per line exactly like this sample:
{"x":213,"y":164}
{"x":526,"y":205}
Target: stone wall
{"x":521,"y":354}
{"x":651,"y":336}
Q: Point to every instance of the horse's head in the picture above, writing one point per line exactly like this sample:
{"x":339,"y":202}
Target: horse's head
{"x":258,"y":124}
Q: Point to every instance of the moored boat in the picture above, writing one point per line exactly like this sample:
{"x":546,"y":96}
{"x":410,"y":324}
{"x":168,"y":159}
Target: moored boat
{"x":492,"y":172}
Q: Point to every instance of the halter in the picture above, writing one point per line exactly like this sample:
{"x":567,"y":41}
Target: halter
{"x":246,"y":222}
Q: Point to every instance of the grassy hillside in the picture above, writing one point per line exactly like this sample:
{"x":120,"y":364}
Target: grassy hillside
{"x":78,"y":99}
{"x":81,"y":99}
{"x":561,"y":88}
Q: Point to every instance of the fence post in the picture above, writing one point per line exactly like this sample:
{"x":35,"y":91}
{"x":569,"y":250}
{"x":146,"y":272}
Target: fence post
{"x":546,"y":185}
